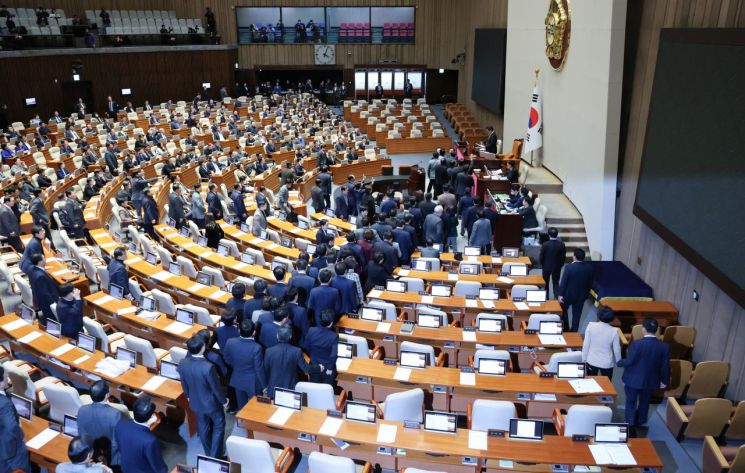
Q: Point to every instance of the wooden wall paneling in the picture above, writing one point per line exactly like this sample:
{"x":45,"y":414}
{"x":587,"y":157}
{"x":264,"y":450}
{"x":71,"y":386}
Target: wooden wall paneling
{"x":717,"y":318}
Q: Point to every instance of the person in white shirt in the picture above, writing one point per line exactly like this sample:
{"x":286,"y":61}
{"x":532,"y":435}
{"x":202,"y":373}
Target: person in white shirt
{"x":601,"y":349}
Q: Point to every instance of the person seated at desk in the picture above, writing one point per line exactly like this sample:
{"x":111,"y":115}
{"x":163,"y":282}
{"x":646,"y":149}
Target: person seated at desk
{"x":41,"y":180}
{"x":80,"y":454}
{"x":517,"y":197}
{"x":429,"y":251}
{"x":511,"y":174}
{"x":322,"y":343}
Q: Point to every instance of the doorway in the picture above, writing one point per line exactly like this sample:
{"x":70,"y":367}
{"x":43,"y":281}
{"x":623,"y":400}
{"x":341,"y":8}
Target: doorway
{"x":73,"y":90}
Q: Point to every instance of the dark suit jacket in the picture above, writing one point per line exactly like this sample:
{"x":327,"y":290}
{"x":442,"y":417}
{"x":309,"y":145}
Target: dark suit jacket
{"x":118,"y":275}
{"x":405,"y":243}
{"x":316,"y":195}
{"x":324,"y":298}
{"x":34,"y":247}
{"x":553,"y":253}
{"x":576,"y":282}
{"x":150,"y":211}
{"x":490,"y":145}
{"x":267,"y":330}
{"x":647,"y":364}
{"x":13,"y":453}
{"x":391,"y":256}
{"x":322,"y":237}
{"x":8,"y":222}
{"x":377,"y":275}
{"x":246,"y":357}
{"x":299,"y":317}
{"x":98,"y":420}
{"x":39,"y":213}
{"x":252,"y":304}
{"x":70,"y":315}
{"x":138,"y":448}
{"x":348,"y":291}
{"x":201,"y":384}
{"x":281,"y":364}
{"x":175,"y":207}
{"x":303,"y":281}
{"x":44,"y":289}
{"x":225,"y":333}
{"x":321,"y":343}
{"x":213,"y":205}
{"x":529,"y":218}
{"x":342,"y":208}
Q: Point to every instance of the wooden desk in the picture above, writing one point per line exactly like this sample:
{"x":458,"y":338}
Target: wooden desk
{"x":169,"y":396}
{"x":416,"y":145}
{"x":51,"y":453}
{"x":289,"y":229}
{"x":495,"y":186}
{"x":486,"y":260}
{"x":418,"y":448}
{"x":121,"y":315}
{"x":470,"y":306}
{"x":344,"y":225}
{"x":630,"y":313}
{"x":59,"y":271}
{"x":450,"y":340}
{"x":367,"y":168}
{"x":229,"y":265}
{"x":508,"y":231}
{"x":484,"y":278}
{"x":372,"y":379}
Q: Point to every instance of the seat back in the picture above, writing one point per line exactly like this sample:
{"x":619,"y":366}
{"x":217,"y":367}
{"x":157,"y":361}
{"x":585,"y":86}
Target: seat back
{"x":390,"y":309}
{"x":405,"y":405}
{"x":506,"y":267}
{"x":288,"y":264}
{"x":103,"y":276}
{"x":534,"y":321}
{"x":362,"y":349}
{"x":21,"y":383}
{"x":134,"y":289}
{"x":217,"y":277}
{"x":26,"y":295}
{"x":425,"y":309}
{"x":202,"y":315}
{"x":467,"y":288}
{"x":490,"y":414}
{"x":324,"y":463}
{"x":520,"y":290}
{"x":433,"y":262}
{"x":681,"y":339}
{"x":254,"y":456}
{"x":708,"y":380}
{"x":165,"y":301}
{"x":680,"y":376}
{"x":420,"y":348}
{"x":413,"y":284}
{"x":478,"y":263}
{"x":94,"y":329}
{"x":581,"y":419}
{"x":563,"y":356}
{"x":709,"y":417}
{"x":258,"y":256}
{"x":736,"y":429}
{"x":491,"y":355}
{"x":232,"y":247}
{"x":485,"y":315}
{"x":177,"y":354}
{"x":62,"y":400}
{"x":320,"y":395}
{"x":187,"y":266}
{"x":144,"y":348}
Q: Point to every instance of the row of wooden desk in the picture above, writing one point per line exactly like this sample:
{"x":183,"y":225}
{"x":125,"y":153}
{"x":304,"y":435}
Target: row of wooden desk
{"x":416,"y":448}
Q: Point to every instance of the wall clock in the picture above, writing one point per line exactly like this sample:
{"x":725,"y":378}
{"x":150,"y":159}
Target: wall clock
{"x":325,"y":54}
{"x":558,"y":28}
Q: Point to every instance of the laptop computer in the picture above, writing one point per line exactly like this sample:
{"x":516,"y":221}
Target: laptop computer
{"x":184,"y":232}
{"x":185,"y":316}
{"x":115,"y":291}
{"x":533,"y":296}
{"x":492,"y":367}
{"x":487,"y":325}
{"x":489,"y":293}
{"x":168,"y":369}
{"x":441,"y":422}
{"x":526,"y":429}
{"x":27,"y":313}
{"x":288,"y":398}
{"x":248,"y":258}
{"x":207,"y":464}
{"x":518,"y":270}
{"x":428,"y":320}
{"x":550,"y":327}
{"x":24,"y":406}
{"x":204,"y":278}
{"x":441,"y":290}
{"x":148,"y":303}
{"x":510,"y":252}
{"x":54,"y":328}
{"x":394,"y":285}
{"x":421,"y":265}
{"x":151,"y":258}
{"x":174,"y":268}
{"x":472,"y":251}
{"x":372,"y":313}
{"x":127,"y":355}
{"x":412,"y":359}
{"x":570,"y":370}
{"x":223,"y":250}
{"x":70,"y":426}
{"x":360,"y":412}
{"x":345,"y":350}
{"x":86,"y":342}
{"x":311,"y":249}
{"x":611,"y":433}
{"x":469,"y":268}
{"x":202,"y":241}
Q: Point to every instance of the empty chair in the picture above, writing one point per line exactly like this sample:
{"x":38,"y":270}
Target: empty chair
{"x":390,"y":309}
{"x":362,"y":348}
{"x":467,"y":288}
{"x":553,"y":362}
{"x":258,"y":256}
{"x":709,"y":379}
{"x":425,"y":309}
{"x":108,"y":342}
{"x":475,"y":359}
{"x":324,"y":463}
{"x":680,"y":376}
{"x":301,"y":244}
{"x":581,"y":419}
{"x":736,"y":427}
{"x":64,"y":400}
{"x":288,"y":264}
{"x":217,"y":277}
{"x":681,"y":339}
{"x":534,"y":321}
{"x":718,"y":458}
{"x":164,"y":301}
{"x":428,"y":350}
{"x":519,"y":291}
{"x":201,"y":315}
{"x":134,"y":289}
{"x":26,"y":295}
{"x":406,"y":405}
{"x":28,"y":381}
{"x":321,"y":396}
{"x":707,"y":416}
{"x":488,"y":414}
{"x":506,"y":267}
{"x":150,"y":356}
{"x":413,"y":284}
{"x":187,"y":267}
{"x":232,"y":247}
{"x":433,"y":262}
{"x":177,"y":354}
{"x":257,"y":456}
{"x":503,"y":317}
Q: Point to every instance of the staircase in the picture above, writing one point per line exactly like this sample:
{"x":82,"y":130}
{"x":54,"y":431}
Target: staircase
{"x":571,"y":232}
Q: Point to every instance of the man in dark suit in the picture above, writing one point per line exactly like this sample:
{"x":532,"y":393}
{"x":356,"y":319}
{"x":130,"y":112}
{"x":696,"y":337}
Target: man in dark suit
{"x":317,"y":197}
{"x":270,"y":320}
{"x":74,"y":215}
{"x":528,"y":212}
{"x":346,"y":287}
{"x":112,"y":108}
{"x":388,"y":250}
{"x":321,"y":343}
{"x":33,"y":247}
{"x":150,"y":214}
{"x":139,"y":184}
{"x":278,"y":289}
{"x":213,"y":202}
{"x":647,"y":367}
{"x":239,"y":206}
{"x":490,"y":144}
{"x":553,"y":253}
{"x":118,"y":271}
{"x":298,"y":314}
{"x":404,"y":241}
{"x":176,"y":206}
{"x":323,"y":297}
{"x":97,"y":421}
{"x":70,"y":310}
{"x":43,"y":286}
{"x":10,"y":231}
{"x":111,"y":159}
{"x":227,"y":328}
{"x":13,"y":453}
{"x":341,"y":204}
{"x":322,"y":236}
{"x":202,"y":387}
{"x":138,"y":447}
{"x":574,"y":288}
{"x":302,"y":281}
{"x":282,"y":362}
{"x":246,"y":358}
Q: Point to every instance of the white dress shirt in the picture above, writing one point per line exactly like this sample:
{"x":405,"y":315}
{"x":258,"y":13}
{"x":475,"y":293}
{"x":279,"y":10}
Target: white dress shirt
{"x":602,"y":347}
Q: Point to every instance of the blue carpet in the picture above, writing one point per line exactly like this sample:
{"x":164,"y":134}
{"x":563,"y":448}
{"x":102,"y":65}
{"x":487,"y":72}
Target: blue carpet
{"x":439,"y":111}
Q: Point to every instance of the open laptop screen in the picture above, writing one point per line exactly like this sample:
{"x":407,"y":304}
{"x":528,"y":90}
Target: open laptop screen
{"x":551,"y":327}
{"x":508,"y":252}
{"x":428,"y":320}
{"x":212,"y":465}
{"x":532,"y":295}
{"x":422,"y":265}
{"x":185,"y":316}
{"x":472,"y":250}
{"x":288,"y":398}
{"x":372,"y":313}
{"x":169,"y":370}
{"x":440,"y":422}
{"x":485,"y":324}
{"x":441,"y":290}
{"x":360,"y":411}
{"x":492,"y":367}
{"x":394,"y":285}
{"x":489,"y":293}
{"x":86,"y":342}
{"x":469,"y":268}
{"x":611,"y":433}
{"x":54,"y":328}
{"x":525,"y":429}
{"x":24,"y":407}
{"x":70,"y":426}
{"x":117,"y":292}
{"x":127,"y":355}
{"x":413,"y":359}
{"x":518,"y":270}
{"x":569,"y":370}
{"x":345,"y":350}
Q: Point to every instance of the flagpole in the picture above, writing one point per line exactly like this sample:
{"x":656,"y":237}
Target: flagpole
{"x":535,"y":84}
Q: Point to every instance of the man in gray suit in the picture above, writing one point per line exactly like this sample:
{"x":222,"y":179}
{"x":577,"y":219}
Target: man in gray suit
{"x":176,"y":206}
{"x":481,"y":234}
{"x":10,"y":231}
{"x":139,"y":184}
{"x":96,"y":423}
{"x":260,"y":219}
{"x":433,"y":226}
{"x":206,"y":396}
